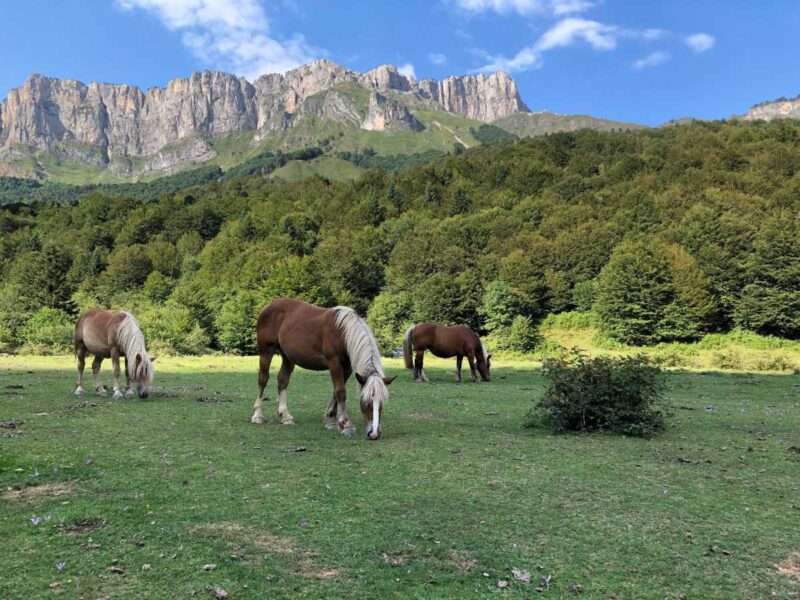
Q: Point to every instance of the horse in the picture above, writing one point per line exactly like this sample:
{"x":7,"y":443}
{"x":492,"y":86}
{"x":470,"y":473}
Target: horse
{"x":334,"y":339}
{"x":445,"y":342}
{"x":107,"y":334}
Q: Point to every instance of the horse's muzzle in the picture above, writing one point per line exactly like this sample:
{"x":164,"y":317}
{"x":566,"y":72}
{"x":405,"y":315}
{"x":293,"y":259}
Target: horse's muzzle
{"x":142,"y":391}
{"x":373,"y":436}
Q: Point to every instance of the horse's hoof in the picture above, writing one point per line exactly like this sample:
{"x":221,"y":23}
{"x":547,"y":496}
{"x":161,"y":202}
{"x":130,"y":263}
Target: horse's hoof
{"x":287,"y":421}
{"x":257,"y":419}
{"x":79,"y":391}
{"x":331,"y":425}
{"x":102,"y":393}
{"x":118,"y":395}
{"x":129,"y":393}
{"x":349,"y":431}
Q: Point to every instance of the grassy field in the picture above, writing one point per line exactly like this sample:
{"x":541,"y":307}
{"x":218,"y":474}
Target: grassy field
{"x":136,"y":497}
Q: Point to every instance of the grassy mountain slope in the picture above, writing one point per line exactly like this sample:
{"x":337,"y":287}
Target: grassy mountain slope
{"x":542,"y":123}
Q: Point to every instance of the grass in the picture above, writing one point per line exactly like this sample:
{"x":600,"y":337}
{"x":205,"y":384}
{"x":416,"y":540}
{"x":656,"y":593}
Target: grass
{"x":454,"y":489}
{"x":329,"y":167}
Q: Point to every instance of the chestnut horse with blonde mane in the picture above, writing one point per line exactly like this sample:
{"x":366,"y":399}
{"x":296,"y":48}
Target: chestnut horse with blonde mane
{"x":107,"y":334}
{"x":445,"y":342}
{"x":333,"y":339}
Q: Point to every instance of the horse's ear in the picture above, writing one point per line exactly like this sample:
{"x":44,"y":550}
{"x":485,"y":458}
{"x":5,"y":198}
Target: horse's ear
{"x":388,"y":380}
{"x":154,"y":359}
{"x":361,"y":379}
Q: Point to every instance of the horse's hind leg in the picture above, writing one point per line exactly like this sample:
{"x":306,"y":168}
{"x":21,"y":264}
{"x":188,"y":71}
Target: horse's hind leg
{"x":419,"y":366}
{"x":459,"y":360}
{"x":283,"y":382}
{"x":98,"y":386}
{"x":264,"y":361}
{"x":80,"y":353}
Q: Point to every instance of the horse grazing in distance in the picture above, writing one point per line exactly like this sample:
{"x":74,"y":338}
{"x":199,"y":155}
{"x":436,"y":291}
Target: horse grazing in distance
{"x":445,"y":342}
{"x":107,"y":334}
{"x":334,"y":339}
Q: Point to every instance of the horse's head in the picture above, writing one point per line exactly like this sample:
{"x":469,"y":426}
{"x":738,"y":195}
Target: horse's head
{"x":484,"y":364}
{"x":143,"y":374}
{"x":373,"y":394}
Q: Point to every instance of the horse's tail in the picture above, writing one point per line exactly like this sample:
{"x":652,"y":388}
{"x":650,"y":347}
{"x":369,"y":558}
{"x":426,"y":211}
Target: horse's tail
{"x":408,"y":348}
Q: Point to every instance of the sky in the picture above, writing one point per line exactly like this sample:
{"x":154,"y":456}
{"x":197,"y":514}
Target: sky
{"x":645,"y":61}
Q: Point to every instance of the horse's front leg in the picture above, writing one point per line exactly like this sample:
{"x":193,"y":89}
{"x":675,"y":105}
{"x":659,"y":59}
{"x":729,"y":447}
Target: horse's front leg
{"x":115,"y":365}
{"x":473,"y":372}
{"x":283,"y":382}
{"x":80,"y":352}
{"x":128,"y":390}
{"x":98,"y":386}
{"x":264,"y":361}
{"x":330,"y":414}
{"x":459,"y":361}
{"x":340,"y":393}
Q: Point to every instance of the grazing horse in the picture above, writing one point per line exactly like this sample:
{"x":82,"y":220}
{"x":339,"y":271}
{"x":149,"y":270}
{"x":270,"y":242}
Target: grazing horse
{"x":445,"y":342}
{"x":107,"y":334}
{"x":334,"y":339}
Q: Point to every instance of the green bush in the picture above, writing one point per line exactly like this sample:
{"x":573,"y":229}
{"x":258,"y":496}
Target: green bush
{"x":170,"y":329}
{"x":236,"y":324}
{"x":500,"y":305}
{"x":49,"y":330}
{"x":521,"y":336}
{"x":583,"y":295}
{"x":389,"y":317}
{"x":619,"y":395}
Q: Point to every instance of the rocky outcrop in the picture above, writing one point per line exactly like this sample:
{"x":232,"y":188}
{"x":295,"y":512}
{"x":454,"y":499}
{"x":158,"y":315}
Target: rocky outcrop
{"x":384,"y":114}
{"x":101,"y":124}
{"x":782,"y":108}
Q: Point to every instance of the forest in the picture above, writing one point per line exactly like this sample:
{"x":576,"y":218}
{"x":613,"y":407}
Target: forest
{"x":660,"y":235}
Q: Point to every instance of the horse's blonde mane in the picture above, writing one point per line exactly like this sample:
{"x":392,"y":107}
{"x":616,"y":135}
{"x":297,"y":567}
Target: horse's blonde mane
{"x":485,"y":353}
{"x":362,"y":348}
{"x":130,"y":341}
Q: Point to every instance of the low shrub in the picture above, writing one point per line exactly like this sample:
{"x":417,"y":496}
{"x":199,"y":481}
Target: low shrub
{"x":48,"y":331}
{"x":727,"y":359}
{"x":619,"y":395}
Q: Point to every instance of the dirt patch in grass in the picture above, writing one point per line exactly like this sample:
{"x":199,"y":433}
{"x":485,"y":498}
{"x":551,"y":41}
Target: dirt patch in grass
{"x":84,"y":526}
{"x":461,"y":561}
{"x":395,"y":560}
{"x":424,"y":416}
{"x":38,"y":492}
{"x":309,"y":568}
{"x":226,"y":527}
{"x":790,"y":567}
{"x":275,"y":543}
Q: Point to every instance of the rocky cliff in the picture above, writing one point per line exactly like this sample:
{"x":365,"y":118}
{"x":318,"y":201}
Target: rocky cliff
{"x":776,"y":109}
{"x":109,"y":125}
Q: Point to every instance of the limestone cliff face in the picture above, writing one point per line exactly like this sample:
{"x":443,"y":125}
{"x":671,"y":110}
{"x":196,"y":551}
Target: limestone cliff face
{"x":387,"y":115}
{"x":779,"y":109}
{"x":107,"y":124}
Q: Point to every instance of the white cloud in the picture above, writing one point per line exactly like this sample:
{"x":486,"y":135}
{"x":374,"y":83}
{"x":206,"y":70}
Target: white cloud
{"x":228,"y":34}
{"x":407,"y":70}
{"x":651,"y":60}
{"x":700,"y":42}
{"x":525,"y":7}
{"x":564,"y":33}
{"x":568,"y":31}
{"x":437,"y":58}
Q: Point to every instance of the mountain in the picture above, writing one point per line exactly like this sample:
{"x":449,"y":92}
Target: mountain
{"x":72,"y":132}
{"x":782,"y":108}
{"x":531,"y":124}
{"x":49,"y":126}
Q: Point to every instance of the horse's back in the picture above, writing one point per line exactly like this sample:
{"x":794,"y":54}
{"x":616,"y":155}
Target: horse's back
{"x":282,"y":314}
{"x":443,"y":340}
{"x":94,"y":329}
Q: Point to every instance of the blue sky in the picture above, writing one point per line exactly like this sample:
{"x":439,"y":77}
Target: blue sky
{"x":645,"y":61}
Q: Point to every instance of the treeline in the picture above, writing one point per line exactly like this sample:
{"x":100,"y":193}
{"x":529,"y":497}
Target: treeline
{"x":666,"y":234}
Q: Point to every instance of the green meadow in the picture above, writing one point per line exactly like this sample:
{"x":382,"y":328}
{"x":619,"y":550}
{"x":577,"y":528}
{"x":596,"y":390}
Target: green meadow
{"x":180,"y":495}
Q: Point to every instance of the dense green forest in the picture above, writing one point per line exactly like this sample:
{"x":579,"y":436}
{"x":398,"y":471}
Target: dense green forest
{"x":665,"y":234}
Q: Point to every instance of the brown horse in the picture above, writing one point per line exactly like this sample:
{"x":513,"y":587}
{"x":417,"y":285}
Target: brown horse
{"x":445,"y":342}
{"x":107,"y":334}
{"x":336,"y":339}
